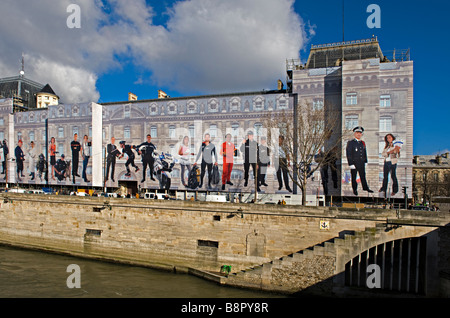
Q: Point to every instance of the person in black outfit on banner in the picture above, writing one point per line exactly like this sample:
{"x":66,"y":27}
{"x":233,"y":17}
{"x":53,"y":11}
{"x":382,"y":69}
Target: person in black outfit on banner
{"x":20,"y":157}
{"x":249,"y":149}
{"x":263,"y":161}
{"x":283,"y":164}
{"x":5,"y":155}
{"x":207,"y":150}
{"x":357,"y":159}
{"x":76,"y":148}
{"x":112,"y":154}
{"x":326,"y":161}
{"x":60,"y":168}
{"x":147,"y":156}
{"x":128,"y":149}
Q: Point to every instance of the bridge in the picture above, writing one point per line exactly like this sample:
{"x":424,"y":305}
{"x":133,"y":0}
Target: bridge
{"x":287,"y":249}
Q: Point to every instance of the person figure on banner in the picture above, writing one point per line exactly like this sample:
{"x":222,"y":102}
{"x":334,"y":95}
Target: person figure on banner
{"x":75,"y":146}
{"x":128,"y":150}
{"x":33,"y":155}
{"x":357,"y":159}
{"x":52,"y":151}
{"x":60,"y":168}
{"x":111,"y":154}
{"x":249,"y":149}
{"x":184,"y":152}
{"x":263,"y":161}
{"x":5,"y":149}
{"x":20,"y":158}
{"x":146,"y":150}
{"x":207,"y":151}
{"x":86,"y":154}
{"x":391,"y":153}
{"x":282,"y":160}
{"x":227,"y":151}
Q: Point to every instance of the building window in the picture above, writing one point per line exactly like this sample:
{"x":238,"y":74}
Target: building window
{"x":351,"y":99}
{"x":2,"y":121}
{"x":258,"y":103}
{"x":31,"y":136}
{"x":2,"y":136}
{"x":282,"y":103}
{"x":385,"y":101}
{"x":153,"y":110}
{"x":61,"y":148}
{"x":74,"y":130}
{"x":436,"y":177}
{"x":191,"y":131}
{"x":127,"y":111}
{"x":213,"y":131}
{"x":19,"y":136}
{"x":172,"y":132}
{"x":235,"y":130}
{"x":60,"y":132}
{"x":90,"y":131}
{"x":154,"y":132}
{"x":318,"y":104}
{"x":213,"y":106}
{"x":172,"y":108}
{"x":127,"y":133}
{"x":191,"y":107}
{"x":235,"y":104}
{"x":61,"y":112}
{"x":258,"y":129}
{"x":351,"y":121}
{"x":237,"y":174}
{"x":172,"y":150}
{"x":386,"y":123}
{"x":175,"y":173}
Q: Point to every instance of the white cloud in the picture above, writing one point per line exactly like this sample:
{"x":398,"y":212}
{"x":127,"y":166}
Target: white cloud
{"x":75,"y":82}
{"x":229,"y":45}
{"x":206,"y":46}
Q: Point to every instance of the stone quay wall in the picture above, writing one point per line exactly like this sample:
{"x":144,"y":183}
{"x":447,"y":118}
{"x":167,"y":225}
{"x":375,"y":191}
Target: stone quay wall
{"x":181,"y":236}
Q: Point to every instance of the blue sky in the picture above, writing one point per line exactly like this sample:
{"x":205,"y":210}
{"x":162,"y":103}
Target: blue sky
{"x":404,"y":25}
{"x":194,"y":47}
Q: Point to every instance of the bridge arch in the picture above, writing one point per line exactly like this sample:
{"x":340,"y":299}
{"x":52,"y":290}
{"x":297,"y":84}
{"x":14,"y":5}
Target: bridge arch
{"x":401,"y":266}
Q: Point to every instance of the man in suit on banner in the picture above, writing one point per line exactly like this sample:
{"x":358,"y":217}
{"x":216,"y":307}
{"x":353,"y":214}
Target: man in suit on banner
{"x":112,"y":154}
{"x":357,"y":159}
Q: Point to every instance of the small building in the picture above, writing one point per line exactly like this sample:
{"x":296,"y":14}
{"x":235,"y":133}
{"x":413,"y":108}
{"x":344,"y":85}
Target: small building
{"x":46,"y":97}
{"x":431,"y":177}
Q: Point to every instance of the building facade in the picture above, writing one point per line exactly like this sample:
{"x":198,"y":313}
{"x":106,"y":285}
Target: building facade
{"x":369,"y":90}
{"x":431,"y":177}
{"x":355,"y":78}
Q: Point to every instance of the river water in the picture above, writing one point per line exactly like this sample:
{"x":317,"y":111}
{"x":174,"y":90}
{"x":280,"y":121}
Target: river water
{"x":35,"y":274}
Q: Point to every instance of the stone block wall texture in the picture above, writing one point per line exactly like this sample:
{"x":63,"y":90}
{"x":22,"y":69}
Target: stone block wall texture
{"x":182,"y":235}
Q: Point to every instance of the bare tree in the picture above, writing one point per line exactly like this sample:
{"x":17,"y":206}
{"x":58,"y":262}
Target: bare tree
{"x":313,"y":135}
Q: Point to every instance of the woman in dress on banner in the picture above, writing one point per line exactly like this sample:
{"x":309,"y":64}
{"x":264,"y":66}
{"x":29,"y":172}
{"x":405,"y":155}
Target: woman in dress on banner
{"x":52,"y":151}
{"x":391,"y":153}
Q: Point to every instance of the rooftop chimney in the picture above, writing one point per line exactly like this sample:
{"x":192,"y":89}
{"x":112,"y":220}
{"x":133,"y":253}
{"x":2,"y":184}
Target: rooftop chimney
{"x":131,"y":97}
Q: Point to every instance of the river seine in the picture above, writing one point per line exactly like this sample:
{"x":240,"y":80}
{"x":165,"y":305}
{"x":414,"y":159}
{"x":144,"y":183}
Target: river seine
{"x":35,"y":274}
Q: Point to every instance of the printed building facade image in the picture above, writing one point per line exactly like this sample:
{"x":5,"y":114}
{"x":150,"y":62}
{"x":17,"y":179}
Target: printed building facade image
{"x":368,"y":89}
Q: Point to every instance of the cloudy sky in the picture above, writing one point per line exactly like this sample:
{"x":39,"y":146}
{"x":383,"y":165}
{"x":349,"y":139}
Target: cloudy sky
{"x":184,"y":47}
{"x":192,"y":47}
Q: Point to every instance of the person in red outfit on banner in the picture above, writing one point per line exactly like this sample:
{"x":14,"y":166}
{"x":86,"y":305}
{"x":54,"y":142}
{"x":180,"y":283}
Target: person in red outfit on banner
{"x":227,"y":151}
